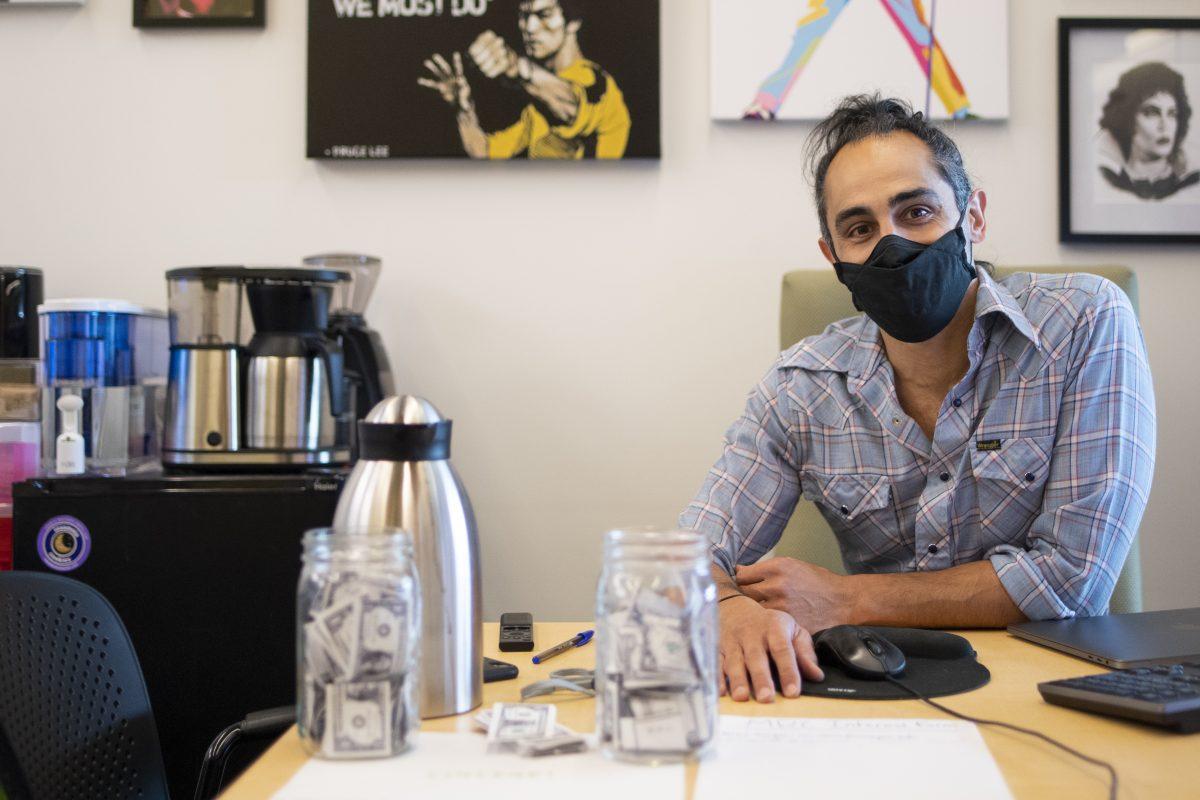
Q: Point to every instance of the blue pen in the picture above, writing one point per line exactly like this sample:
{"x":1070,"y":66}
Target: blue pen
{"x":578,"y":640}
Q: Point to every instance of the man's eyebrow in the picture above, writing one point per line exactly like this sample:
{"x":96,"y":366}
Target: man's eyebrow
{"x":911,"y":194}
{"x":893,"y":201}
{"x":850,"y":213}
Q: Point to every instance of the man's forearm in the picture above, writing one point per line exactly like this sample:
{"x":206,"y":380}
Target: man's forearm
{"x":967,"y":596}
{"x":553,"y":93}
{"x":473,"y":138}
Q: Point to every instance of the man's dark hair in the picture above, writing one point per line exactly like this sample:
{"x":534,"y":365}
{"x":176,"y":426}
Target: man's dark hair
{"x":862,"y":116}
{"x":1134,"y":88}
{"x":572,"y":9}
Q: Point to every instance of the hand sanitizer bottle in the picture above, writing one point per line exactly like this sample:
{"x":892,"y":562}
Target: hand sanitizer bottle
{"x":68,"y":450}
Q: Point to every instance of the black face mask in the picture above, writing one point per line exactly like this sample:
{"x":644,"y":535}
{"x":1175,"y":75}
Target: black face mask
{"x":911,"y":290}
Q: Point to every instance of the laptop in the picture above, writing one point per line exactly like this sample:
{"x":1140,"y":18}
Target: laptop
{"x":1121,"y":641}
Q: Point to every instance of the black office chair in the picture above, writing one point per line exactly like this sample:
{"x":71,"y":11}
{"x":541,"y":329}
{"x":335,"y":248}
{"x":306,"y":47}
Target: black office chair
{"x":75,"y":717}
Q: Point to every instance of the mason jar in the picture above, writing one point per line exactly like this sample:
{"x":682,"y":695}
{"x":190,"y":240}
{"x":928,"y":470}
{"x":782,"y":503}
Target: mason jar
{"x":358,"y":622}
{"x":656,"y":647}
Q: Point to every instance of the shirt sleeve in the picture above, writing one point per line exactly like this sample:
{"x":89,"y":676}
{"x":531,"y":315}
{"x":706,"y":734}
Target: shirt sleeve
{"x":513,"y":140}
{"x":750,"y":493}
{"x":602,"y":113}
{"x":1099,"y":475}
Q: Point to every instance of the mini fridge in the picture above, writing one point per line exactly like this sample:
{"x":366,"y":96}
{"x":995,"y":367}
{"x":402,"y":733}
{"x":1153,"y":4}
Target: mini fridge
{"x":202,"y":570}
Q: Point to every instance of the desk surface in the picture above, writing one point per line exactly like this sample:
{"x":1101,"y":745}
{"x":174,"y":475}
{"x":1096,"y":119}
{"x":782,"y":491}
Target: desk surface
{"x":1152,"y":764}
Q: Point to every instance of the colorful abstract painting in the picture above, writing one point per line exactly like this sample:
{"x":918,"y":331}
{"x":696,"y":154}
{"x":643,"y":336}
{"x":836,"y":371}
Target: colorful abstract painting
{"x":794,"y":59}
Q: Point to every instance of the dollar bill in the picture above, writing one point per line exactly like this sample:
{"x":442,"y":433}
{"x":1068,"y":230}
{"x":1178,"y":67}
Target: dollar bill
{"x":360,"y":720}
{"x":313,"y":718}
{"x":338,"y":630}
{"x":513,"y":722}
{"x":382,"y":638}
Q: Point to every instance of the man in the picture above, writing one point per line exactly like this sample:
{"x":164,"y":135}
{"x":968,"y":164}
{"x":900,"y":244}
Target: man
{"x":576,"y":108}
{"x":983,"y":450}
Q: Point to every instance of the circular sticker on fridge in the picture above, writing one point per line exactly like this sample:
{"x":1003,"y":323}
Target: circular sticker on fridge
{"x":64,"y":544}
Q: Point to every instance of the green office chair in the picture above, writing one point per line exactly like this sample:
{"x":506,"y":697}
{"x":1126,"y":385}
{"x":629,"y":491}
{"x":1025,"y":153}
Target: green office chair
{"x":813,"y":299}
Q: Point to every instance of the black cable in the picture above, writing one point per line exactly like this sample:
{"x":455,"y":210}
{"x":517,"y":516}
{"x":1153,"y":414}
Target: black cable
{"x":1112,"y":791}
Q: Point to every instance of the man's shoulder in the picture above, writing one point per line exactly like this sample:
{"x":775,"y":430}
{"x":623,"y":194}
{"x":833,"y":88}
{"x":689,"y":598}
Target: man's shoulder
{"x":1060,"y":304}
{"x":829,"y":351}
{"x":591,"y":77}
{"x":1072,"y":294}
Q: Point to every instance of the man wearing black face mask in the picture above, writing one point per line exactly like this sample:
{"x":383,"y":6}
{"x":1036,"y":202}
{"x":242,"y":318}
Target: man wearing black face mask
{"x":982,"y":450}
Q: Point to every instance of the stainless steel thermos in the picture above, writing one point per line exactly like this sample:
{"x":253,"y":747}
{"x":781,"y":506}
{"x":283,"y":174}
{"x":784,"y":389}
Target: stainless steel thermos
{"x":404,"y":479}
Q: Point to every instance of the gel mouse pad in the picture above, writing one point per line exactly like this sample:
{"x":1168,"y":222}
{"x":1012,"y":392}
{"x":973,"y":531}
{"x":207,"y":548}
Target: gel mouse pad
{"x":938,"y":664}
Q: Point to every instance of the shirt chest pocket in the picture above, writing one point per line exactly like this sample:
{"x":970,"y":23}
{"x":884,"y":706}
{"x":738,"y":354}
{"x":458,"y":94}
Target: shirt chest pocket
{"x":852,"y":498}
{"x":1010,"y":481}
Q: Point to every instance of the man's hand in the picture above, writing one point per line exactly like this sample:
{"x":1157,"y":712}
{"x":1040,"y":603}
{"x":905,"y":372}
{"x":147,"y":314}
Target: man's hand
{"x":450,"y":82}
{"x":751,"y":638}
{"x":815,"y":597}
{"x":494,"y":57}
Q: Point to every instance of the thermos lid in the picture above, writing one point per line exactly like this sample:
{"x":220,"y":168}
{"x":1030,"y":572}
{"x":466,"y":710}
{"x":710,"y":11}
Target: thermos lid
{"x":404,"y":428}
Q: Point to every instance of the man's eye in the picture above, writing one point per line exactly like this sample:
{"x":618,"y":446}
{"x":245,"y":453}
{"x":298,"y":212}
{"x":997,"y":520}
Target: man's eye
{"x":919,"y":212}
{"x":857,"y":231}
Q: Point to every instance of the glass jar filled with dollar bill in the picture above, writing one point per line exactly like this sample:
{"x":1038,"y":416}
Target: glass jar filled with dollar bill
{"x":656,"y":647}
{"x":358,"y":609}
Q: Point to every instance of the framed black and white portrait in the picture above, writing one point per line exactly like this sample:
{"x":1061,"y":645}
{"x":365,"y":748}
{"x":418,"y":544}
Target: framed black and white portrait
{"x":1129,"y":148}
{"x":199,"y":13}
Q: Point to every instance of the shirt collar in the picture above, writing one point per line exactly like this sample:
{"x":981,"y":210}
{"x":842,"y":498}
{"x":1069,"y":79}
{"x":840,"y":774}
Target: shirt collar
{"x":861,"y":349}
{"x":994,"y":298}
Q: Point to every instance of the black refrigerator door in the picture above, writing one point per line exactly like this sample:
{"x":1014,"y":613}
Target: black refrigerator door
{"x":202,"y":571}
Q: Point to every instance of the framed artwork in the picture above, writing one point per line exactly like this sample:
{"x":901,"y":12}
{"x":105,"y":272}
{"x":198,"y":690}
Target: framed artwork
{"x":1129,"y":156}
{"x":484,"y":79}
{"x":795,"y":59}
{"x":199,"y":13}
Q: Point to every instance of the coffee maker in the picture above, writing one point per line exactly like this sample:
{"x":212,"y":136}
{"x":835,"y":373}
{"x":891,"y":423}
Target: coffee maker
{"x":256,"y":381}
{"x":367,"y":365}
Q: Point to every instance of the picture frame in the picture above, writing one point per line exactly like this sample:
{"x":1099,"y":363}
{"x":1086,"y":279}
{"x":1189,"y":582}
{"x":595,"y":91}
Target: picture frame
{"x":1129,"y":130}
{"x":199,"y":13}
{"x":460,"y":79}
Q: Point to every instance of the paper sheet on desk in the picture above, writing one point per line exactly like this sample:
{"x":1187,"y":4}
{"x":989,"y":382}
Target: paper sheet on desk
{"x":892,"y":758}
{"x":456,"y":766}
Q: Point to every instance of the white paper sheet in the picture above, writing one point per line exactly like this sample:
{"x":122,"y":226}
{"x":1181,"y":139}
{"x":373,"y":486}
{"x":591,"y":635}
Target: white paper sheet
{"x":850,"y":758}
{"x":456,"y":766}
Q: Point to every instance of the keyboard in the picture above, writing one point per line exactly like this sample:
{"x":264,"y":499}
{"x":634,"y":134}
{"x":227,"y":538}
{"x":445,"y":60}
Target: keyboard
{"x":1166,"y":695}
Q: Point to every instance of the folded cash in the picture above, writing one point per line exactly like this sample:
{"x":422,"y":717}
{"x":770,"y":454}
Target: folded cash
{"x":559,"y":744}
{"x":514,"y":722}
{"x":357,"y":641}
{"x":482,"y":722}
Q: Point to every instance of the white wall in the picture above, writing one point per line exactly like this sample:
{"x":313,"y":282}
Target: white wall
{"x":591,"y":328}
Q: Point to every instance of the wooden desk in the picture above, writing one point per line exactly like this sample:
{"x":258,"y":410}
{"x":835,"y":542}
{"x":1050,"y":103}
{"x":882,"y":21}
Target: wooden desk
{"x":1152,"y":764}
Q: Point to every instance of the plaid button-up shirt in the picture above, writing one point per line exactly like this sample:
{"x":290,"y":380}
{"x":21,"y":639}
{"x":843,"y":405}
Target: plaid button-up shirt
{"x":1040,"y":462}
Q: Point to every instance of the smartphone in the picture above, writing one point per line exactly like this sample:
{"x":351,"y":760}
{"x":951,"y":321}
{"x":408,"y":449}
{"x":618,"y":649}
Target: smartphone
{"x":494,"y":670}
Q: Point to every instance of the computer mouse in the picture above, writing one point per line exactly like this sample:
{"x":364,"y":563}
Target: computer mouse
{"x":862,"y":652}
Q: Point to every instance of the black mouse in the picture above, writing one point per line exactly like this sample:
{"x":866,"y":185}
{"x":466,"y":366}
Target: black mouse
{"x":861,"y":652}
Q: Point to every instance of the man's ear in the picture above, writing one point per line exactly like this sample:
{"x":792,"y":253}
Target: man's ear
{"x":574,"y":25}
{"x":976,"y":217}
{"x":826,"y":250}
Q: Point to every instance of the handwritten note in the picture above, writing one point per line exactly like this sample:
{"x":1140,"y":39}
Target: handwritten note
{"x":893,"y":758}
{"x":456,"y":765}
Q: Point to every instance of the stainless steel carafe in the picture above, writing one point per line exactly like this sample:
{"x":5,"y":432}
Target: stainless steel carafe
{"x":404,"y":479}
